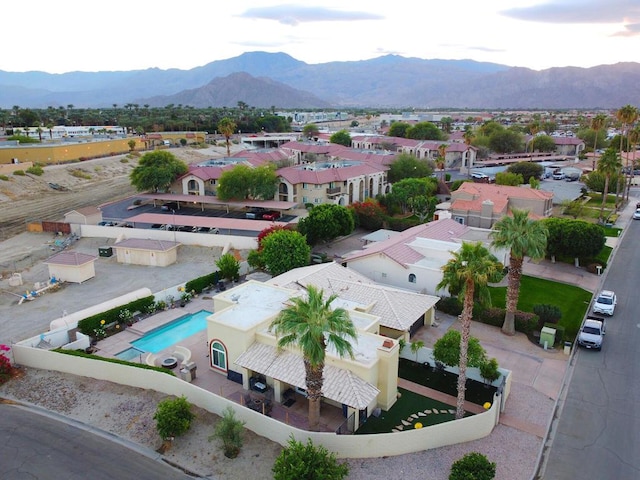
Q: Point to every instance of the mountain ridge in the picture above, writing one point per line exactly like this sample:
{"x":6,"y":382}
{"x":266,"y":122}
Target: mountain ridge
{"x":389,"y":81}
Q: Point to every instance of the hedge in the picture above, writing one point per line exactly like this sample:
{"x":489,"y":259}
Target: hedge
{"x":201,"y":283}
{"x":88,"y":325}
{"x":80,"y":353}
{"x":525,"y":322}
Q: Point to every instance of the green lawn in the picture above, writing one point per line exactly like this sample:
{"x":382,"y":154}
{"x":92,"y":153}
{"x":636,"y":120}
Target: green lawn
{"x":596,"y":199}
{"x":612,"y":231}
{"x":572,"y":301}
{"x":408,"y":404}
{"x":604,"y":254}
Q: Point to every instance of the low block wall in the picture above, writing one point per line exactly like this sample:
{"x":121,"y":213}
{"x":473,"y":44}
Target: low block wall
{"x":345,"y":446}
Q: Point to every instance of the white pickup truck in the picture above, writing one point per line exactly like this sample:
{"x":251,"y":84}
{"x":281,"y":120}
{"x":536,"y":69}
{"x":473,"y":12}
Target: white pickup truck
{"x":592,"y":333}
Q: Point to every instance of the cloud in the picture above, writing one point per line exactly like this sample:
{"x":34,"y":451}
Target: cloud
{"x":579,"y":11}
{"x":296,"y":14}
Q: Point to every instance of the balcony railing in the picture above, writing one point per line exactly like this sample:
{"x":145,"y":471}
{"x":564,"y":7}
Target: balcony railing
{"x":334,"y":191}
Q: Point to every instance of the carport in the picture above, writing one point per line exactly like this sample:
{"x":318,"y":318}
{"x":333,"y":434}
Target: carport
{"x":221,"y":223}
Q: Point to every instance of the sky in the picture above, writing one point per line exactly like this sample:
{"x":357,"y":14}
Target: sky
{"x":80,"y":35}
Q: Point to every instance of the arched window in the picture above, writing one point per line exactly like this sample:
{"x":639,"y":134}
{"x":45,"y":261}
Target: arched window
{"x":412,"y":278}
{"x":218,"y":355}
{"x":193,"y":185}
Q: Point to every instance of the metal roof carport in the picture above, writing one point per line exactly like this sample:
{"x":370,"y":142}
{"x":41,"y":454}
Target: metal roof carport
{"x":210,"y":200}
{"x":212,"y":222}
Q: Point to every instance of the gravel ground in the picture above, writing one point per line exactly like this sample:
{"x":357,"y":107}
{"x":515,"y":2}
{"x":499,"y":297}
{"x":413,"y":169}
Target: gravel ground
{"x":128,"y":413}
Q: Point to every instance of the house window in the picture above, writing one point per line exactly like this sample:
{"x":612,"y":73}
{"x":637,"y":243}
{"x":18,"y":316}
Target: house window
{"x":218,"y":355}
{"x":305,"y":186}
{"x":305,"y":200}
{"x":460,"y":220}
{"x":412,"y":278}
{"x":317,"y":200}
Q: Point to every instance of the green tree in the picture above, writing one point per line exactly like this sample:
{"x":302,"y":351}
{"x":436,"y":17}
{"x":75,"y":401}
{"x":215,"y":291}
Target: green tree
{"x":156,"y":171}
{"x":310,"y":130}
{"x":341,"y":137}
{"x":471,"y":268}
{"x":627,"y":115}
{"x":173,"y":418}
{"x":609,"y":165}
{"x":545,"y":143}
{"x":506,"y":141}
{"x":132,"y":145}
{"x":473,"y":466}
{"x":573,"y":238}
{"x":509,"y":178}
{"x":284,"y":250}
{"x":312,"y":325}
{"x":446,"y":350}
{"x":489,"y":370}
{"x":523,"y":237}
{"x":408,"y":166}
{"x":229,"y":430}
{"x":596,"y":180}
{"x":399,"y":129}
{"x":264,"y":182}
{"x":227,"y":128}
{"x":243,"y":181}
{"x":598,"y":123}
{"x":528,"y":170}
{"x":298,"y":461}
{"x":425,"y":131}
{"x":326,"y":222}
{"x":228,"y":266}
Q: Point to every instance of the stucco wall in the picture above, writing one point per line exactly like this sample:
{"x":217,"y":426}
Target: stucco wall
{"x":67,"y":152}
{"x":345,"y":446}
{"x":72,"y":273}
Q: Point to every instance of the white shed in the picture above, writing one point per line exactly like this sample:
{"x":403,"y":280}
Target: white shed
{"x":71,"y":266}
{"x":84,"y":216}
{"x":140,"y":251}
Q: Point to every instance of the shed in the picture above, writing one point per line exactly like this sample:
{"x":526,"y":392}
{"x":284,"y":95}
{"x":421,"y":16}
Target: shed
{"x":84,"y":216}
{"x":148,"y":252}
{"x":71,"y":266}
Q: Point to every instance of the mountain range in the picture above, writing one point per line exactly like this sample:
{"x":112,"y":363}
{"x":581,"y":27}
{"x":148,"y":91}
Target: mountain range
{"x":266,"y":80}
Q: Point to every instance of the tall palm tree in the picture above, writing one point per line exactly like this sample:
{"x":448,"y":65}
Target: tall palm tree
{"x":227,"y":127}
{"x":609,"y":164}
{"x":633,"y":137}
{"x":441,"y":161}
{"x":312,"y":325}
{"x":470,"y":270}
{"x":524,"y":238}
{"x":597,"y":123}
{"x":626,"y":115}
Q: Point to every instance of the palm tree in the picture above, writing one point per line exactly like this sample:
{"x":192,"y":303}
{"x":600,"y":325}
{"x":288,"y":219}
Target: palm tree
{"x":312,"y":325}
{"x":633,"y":136}
{"x":471,"y":269}
{"x":609,"y":164}
{"x":597,"y":123}
{"x":416,"y":346}
{"x":627,"y":115}
{"x":524,"y":238}
{"x":441,"y":161}
{"x":227,"y":127}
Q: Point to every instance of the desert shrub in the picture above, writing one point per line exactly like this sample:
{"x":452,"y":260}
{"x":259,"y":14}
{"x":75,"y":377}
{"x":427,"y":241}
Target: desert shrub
{"x":489,"y":370}
{"x":19,"y":173}
{"x":547,"y":313}
{"x":450,"y":306}
{"x":526,"y":322}
{"x":4,"y":177}
{"x":79,"y":173}
{"x":299,"y":461}
{"x":201,"y":283}
{"x":124,"y":160}
{"x":173,"y":417}
{"x":402,"y":224}
{"x":229,"y":430}
{"x":473,"y":466}
{"x":35,"y":170}
{"x":254,"y":259}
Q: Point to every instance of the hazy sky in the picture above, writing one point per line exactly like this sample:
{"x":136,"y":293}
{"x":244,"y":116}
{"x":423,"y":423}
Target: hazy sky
{"x":81,"y":35}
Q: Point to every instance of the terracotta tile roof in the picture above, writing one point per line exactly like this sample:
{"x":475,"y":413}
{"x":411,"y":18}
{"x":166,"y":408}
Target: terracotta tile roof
{"x":75,"y":259}
{"x":146,"y":244}
{"x":340,"y":385}
{"x":397,"y":247}
{"x":494,"y":192}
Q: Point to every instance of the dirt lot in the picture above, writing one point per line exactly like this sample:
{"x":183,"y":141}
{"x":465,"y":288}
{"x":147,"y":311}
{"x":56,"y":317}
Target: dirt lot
{"x":30,"y":198}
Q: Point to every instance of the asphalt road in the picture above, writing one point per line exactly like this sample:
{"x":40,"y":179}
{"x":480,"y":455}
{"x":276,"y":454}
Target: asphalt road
{"x":39,"y":446}
{"x":597,"y":435}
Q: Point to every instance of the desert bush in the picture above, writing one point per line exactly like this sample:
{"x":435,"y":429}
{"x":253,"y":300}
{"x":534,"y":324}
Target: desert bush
{"x":4,"y":177}
{"x":489,"y":370}
{"x":449,"y":305}
{"x":299,"y":461}
{"x":547,"y":313}
{"x":35,"y":170}
{"x":229,"y":430}
{"x":19,"y":173}
{"x":173,"y":417}
{"x":473,"y":466}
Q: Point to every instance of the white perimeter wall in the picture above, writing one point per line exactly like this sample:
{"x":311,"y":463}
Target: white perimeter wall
{"x":345,"y":446}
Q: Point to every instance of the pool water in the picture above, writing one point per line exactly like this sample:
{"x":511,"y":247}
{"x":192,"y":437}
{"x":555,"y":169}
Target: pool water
{"x":167,"y":335}
{"x":130,"y":354}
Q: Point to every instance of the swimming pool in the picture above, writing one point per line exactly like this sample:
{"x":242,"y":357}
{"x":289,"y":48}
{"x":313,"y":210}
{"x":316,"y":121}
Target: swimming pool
{"x":130,"y":354}
{"x":163,"y":337}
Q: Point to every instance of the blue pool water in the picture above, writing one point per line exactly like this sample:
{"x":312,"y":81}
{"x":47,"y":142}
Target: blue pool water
{"x":163,"y":337}
{"x":130,"y":354}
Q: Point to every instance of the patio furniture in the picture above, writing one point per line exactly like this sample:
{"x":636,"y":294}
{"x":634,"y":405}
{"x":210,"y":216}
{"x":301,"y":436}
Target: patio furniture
{"x":183,"y":354}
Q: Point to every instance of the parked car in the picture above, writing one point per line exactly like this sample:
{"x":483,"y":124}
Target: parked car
{"x":106,"y":224}
{"x":572,"y":177}
{"x":157,"y":226}
{"x":605,"y":303}
{"x":272,"y":215}
{"x":636,"y":214}
{"x":169,"y":206}
{"x":558,"y":175}
{"x":254,"y":213}
{"x":592,"y":333}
